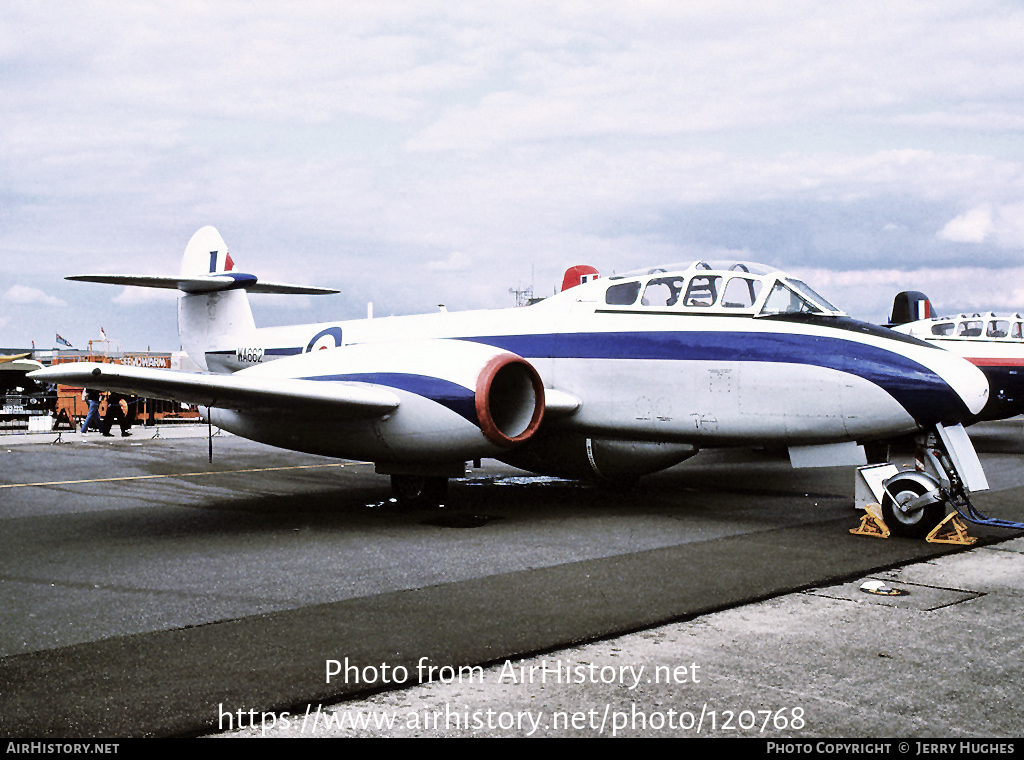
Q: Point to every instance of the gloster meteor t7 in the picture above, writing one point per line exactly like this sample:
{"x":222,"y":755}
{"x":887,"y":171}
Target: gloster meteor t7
{"x":615,"y":377}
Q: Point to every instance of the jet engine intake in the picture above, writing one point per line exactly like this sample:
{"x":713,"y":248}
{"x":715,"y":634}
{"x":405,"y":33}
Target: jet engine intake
{"x":509,"y":400}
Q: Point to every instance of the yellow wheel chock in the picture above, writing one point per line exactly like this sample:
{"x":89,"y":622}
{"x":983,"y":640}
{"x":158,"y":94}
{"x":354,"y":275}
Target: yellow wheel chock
{"x":950,"y":531}
{"x":872,"y":524}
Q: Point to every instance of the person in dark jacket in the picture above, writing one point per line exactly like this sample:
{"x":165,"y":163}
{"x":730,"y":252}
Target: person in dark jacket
{"x":117,"y":410}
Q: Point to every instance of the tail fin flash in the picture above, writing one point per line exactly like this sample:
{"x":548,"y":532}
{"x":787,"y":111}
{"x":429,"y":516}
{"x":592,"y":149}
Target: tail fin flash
{"x":206,"y":254}
{"x":910,"y":306}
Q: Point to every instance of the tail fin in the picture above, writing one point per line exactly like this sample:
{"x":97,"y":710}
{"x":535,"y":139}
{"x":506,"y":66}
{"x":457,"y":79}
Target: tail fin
{"x":910,"y":306}
{"x":215,"y":324}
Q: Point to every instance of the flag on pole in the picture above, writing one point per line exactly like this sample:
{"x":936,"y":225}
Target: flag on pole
{"x":63,"y":342}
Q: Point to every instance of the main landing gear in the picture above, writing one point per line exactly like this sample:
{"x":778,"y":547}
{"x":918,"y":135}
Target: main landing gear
{"x":422,"y":486}
{"x":419,"y":491}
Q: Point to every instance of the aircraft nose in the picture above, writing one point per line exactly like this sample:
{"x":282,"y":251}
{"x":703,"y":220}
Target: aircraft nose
{"x":967,"y":381}
{"x":972,"y":385}
{"x":937,"y":386}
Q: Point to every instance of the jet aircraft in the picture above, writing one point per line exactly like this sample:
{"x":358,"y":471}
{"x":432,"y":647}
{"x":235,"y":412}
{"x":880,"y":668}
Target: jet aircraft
{"x":616,"y":377}
{"x":992,"y":342}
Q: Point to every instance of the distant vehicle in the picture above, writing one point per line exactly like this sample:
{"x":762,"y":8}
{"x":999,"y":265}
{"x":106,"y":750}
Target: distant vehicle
{"x":615,"y":377}
{"x":23,"y":398}
{"x":992,"y":342}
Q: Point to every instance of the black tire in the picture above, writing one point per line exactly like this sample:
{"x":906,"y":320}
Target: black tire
{"x":416,"y":491}
{"x":913,"y":524}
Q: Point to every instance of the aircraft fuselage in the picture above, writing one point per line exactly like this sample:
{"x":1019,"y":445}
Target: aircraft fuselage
{"x":711,"y":374}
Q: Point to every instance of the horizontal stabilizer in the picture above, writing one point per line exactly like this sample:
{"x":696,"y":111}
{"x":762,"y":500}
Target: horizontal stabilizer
{"x":347,"y":399}
{"x":203,"y":283}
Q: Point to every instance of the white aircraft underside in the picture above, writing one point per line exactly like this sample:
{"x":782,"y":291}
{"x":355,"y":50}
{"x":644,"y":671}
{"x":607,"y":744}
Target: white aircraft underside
{"x":728,"y":355}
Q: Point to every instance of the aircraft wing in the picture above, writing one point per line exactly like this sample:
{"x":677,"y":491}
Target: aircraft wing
{"x":349,"y":399}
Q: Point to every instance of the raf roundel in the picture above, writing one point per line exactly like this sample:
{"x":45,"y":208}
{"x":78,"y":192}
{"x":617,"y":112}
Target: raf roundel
{"x":329,"y":338}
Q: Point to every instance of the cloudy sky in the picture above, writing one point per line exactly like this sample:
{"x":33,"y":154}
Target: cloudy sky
{"x":416,"y":153}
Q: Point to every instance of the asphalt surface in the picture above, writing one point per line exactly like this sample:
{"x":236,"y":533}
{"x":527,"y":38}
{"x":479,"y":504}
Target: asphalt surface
{"x":149,"y":592}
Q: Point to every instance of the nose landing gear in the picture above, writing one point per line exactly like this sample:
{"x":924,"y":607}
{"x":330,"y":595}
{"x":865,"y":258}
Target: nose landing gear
{"x":914,"y":502}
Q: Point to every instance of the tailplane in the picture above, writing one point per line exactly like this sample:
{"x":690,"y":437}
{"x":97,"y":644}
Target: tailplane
{"x":214,"y":316}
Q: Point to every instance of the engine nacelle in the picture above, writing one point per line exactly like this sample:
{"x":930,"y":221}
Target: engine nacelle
{"x":459,"y":400}
{"x":576,"y":456}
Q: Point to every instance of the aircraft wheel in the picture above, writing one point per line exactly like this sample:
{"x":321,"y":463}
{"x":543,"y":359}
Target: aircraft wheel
{"x":915,"y":524}
{"x":416,"y":491}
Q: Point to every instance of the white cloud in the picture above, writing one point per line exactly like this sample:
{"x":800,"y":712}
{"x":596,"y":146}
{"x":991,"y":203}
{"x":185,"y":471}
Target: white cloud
{"x":971,"y":227}
{"x":456,"y":261}
{"x":678,"y":71}
{"x":22,"y":294}
{"x":1002,"y":224}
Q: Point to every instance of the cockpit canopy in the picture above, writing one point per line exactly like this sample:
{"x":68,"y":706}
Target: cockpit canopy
{"x":722,"y":287}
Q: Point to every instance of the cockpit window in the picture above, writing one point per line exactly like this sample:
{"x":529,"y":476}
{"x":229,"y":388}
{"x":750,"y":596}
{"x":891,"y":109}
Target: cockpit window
{"x":741,"y":293}
{"x":703,"y":291}
{"x":805,"y":290}
{"x":943,"y":328}
{"x":1016,"y":331}
{"x":783,"y":300}
{"x":622,"y":294}
{"x":663,"y":291}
